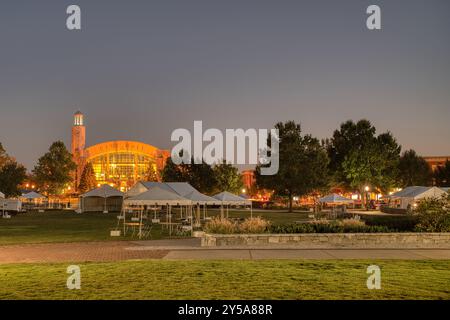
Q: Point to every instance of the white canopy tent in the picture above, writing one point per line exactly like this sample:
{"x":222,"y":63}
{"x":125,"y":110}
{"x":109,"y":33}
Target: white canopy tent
{"x":182,"y":189}
{"x":335,"y":199}
{"x":33,"y":196}
{"x":110,"y":199}
{"x":33,"y":200}
{"x":155,"y":196}
{"x":2,"y":195}
{"x":228,"y":199}
{"x":410,"y":195}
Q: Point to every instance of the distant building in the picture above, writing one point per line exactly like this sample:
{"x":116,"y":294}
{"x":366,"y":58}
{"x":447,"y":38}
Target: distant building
{"x":118,"y":163}
{"x":248,"y":179}
{"x":436,"y":162}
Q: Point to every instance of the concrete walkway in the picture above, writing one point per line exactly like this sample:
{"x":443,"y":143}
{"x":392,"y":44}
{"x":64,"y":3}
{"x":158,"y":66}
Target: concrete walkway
{"x":321,"y":254}
{"x":190,"y":249}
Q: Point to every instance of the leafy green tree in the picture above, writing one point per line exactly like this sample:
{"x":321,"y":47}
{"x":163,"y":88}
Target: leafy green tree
{"x":201,"y":177}
{"x":359,"y":157}
{"x":54,"y":169}
{"x":4,"y":157}
{"x":303,"y":164}
{"x":173,"y":172}
{"x":12,"y":175}
{"x":442,"y":175}
{"x":227,"y":178}
{"x":414,"y":170}
{"x":87,"y":180}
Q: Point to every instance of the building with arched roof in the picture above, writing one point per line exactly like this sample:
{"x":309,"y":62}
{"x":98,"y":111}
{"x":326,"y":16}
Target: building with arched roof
{"x":118,"y":163}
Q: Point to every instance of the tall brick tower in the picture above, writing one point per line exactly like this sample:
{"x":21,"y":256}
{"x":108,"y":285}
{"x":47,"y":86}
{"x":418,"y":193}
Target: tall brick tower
{"x":78,"y":144}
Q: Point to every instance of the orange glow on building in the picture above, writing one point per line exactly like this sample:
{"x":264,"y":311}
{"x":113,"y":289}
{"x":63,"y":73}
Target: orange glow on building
{"x":436,"y":162}
{"x":248,"y":179}
{"x":117,"y":163}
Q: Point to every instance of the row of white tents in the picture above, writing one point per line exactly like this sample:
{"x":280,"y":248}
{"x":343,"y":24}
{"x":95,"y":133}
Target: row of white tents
{"x":403,"y":199}
{"x":106,"y":198}
{"x":27,"y":196}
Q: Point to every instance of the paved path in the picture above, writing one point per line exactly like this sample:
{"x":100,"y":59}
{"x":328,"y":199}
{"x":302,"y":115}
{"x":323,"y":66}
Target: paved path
{"x":74,"y":252}
{"x":190,"y":249}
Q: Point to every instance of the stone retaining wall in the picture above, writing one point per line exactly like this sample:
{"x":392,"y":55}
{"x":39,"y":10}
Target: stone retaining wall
{"x":331,"y":240}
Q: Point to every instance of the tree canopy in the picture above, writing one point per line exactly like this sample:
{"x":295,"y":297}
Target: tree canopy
{"x":200,"y":176}
{"x":87,"y":180}
{"x":303,"y":164}
{"x":4,"y":157}
{"x":414,"y":170}
{"x":359,"y":157}
{"x":442,"y":175}
{"x":12,"y":176}
{"x":54,"y":169}
{"x":227,"y":178}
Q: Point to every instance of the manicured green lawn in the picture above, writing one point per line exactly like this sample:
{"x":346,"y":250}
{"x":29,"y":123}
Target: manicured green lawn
{"x":67,"y":226}
{"x":61,"y":226}
{"x":228,"y":280}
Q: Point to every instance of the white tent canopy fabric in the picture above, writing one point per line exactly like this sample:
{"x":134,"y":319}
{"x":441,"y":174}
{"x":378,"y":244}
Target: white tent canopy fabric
{"x":408,"y":196}
{"x":335,"y":199}
{"x":2,"y":195}
{"x":199,"y":198}
{"x":33,"y":195}
{"x":105,"y":191}
{"x":228,"y":198}
{"x":182,"y":189}
{"x":157,"y":196}
{"x":418,"y":192}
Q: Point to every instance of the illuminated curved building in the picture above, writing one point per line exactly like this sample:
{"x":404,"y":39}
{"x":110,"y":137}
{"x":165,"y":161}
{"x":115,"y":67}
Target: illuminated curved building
{"x":118,"y":163}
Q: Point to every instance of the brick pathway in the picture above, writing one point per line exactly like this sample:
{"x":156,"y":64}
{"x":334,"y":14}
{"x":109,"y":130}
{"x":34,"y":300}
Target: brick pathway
{"x":75,"y":252}
{"x":190,"y":249}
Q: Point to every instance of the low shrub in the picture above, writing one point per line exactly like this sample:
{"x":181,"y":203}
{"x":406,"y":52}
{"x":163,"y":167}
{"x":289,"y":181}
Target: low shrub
{"x":292,"y":228}
{"x":405,"y":223}
{"x":220,"y":226}
{"x":322,"y":226}
{"x":386,"y":209}
{"x":433,"y":215}
{"x":254,"y":225}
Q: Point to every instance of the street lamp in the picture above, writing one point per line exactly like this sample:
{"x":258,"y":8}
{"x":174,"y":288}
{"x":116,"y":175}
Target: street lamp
{"x":367,"y":189}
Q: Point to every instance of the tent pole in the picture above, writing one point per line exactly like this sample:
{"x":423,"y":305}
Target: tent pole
{"x":170,"y":220}
{"x":140,"y":221}
{"x":198,"y":214}
{"x":192,"y":225}
{"x":123,"y":215}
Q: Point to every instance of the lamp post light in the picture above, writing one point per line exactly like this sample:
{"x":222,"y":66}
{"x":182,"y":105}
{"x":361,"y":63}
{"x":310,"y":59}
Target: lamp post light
{"x":367,"y":189}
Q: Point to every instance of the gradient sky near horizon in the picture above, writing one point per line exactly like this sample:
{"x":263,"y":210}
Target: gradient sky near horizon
{"x":140,"y":69}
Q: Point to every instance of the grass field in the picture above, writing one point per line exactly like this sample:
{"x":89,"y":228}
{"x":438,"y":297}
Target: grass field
{"x":229,"y":280}
{"x":61,"y":226}
{"x":67,"y":226}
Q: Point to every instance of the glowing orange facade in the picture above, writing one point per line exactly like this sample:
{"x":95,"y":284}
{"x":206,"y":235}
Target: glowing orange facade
{"x":435,"y":162}
{"x":248,"y":178}
{"x":118,"y":163}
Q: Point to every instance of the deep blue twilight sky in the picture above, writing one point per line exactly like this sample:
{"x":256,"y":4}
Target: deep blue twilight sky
{"x":140,"y":69}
